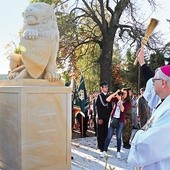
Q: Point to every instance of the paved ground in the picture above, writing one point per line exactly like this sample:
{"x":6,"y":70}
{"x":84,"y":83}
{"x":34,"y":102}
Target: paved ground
{"x":87,"y":156}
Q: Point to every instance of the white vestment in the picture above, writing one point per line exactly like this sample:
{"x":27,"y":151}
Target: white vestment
{"x":150,"y":95}
{"x":150,"y":149}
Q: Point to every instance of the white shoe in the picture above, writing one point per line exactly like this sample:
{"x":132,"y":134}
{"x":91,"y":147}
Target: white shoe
{"x":103,"y":154}
{"x":118,"y":155}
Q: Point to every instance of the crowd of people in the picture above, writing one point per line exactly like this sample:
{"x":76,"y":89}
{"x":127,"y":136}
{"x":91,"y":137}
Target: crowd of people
{"x":115,"y":113}
{"x":119,"y":112}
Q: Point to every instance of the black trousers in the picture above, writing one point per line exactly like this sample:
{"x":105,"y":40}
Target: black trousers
{"x":95,"y":125}
{"x":102,"y":134}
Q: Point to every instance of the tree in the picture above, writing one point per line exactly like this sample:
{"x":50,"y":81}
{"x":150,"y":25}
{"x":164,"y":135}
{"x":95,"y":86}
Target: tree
{"x":98,"y":24}
{"x":107,"y":21}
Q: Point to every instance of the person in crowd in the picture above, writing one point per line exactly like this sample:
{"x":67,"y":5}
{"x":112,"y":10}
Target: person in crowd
{"x":127,"y":130}
{"x":90,"y":114}
{"x":144,"y":152}
{"x":121,"y":105}
{"x":134,"y":111}
{"x":103,"y":110}
{"x":143,"y":109}
{"x":95,"y":115}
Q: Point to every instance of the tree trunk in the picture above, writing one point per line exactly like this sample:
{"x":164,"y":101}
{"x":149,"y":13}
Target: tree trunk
{"x":106,"y":62}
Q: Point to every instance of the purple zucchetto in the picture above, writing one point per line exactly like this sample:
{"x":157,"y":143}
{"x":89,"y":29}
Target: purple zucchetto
{"x":166,"y":70}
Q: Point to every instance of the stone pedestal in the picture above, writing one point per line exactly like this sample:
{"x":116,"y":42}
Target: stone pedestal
{"x":35,"y":125}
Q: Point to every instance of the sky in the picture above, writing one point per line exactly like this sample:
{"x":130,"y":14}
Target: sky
{"x":11,"y":22}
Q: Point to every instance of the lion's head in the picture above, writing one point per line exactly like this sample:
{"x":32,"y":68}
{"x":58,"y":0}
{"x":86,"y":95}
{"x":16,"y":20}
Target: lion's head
{"x":37,"y":13}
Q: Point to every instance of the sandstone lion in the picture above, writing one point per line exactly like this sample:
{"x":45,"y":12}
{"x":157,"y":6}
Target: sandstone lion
{"x":40,"y":39}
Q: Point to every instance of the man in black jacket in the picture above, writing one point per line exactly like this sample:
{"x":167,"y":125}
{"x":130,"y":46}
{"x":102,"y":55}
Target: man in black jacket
{"x":103,"y":110}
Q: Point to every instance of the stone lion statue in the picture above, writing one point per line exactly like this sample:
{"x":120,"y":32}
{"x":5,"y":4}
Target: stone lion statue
{"x":40,"y":41}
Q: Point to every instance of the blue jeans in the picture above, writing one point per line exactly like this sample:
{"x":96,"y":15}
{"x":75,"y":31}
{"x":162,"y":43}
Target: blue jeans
{"x":119,"y":130}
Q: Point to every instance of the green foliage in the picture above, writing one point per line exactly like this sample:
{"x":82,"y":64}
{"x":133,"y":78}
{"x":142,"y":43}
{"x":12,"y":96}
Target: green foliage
{"x":88,"y":65}
{"x":83,"y":57}
{"x":156,"y":60}
{"x":67,"y":39}
{"x":19,"y":49}
{"x":131,"y":72}
{"x":117,"y":69}
{"x":46,"y":1}
{"x":66,"y":77}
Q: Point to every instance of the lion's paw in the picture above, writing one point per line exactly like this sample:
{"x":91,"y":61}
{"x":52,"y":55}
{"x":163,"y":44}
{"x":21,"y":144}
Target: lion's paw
{"x":52,"y":76}
{"x":12,"y":75}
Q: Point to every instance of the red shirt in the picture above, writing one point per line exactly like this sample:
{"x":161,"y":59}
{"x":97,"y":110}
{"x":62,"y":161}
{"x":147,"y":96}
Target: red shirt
{"x":127,"y":107}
